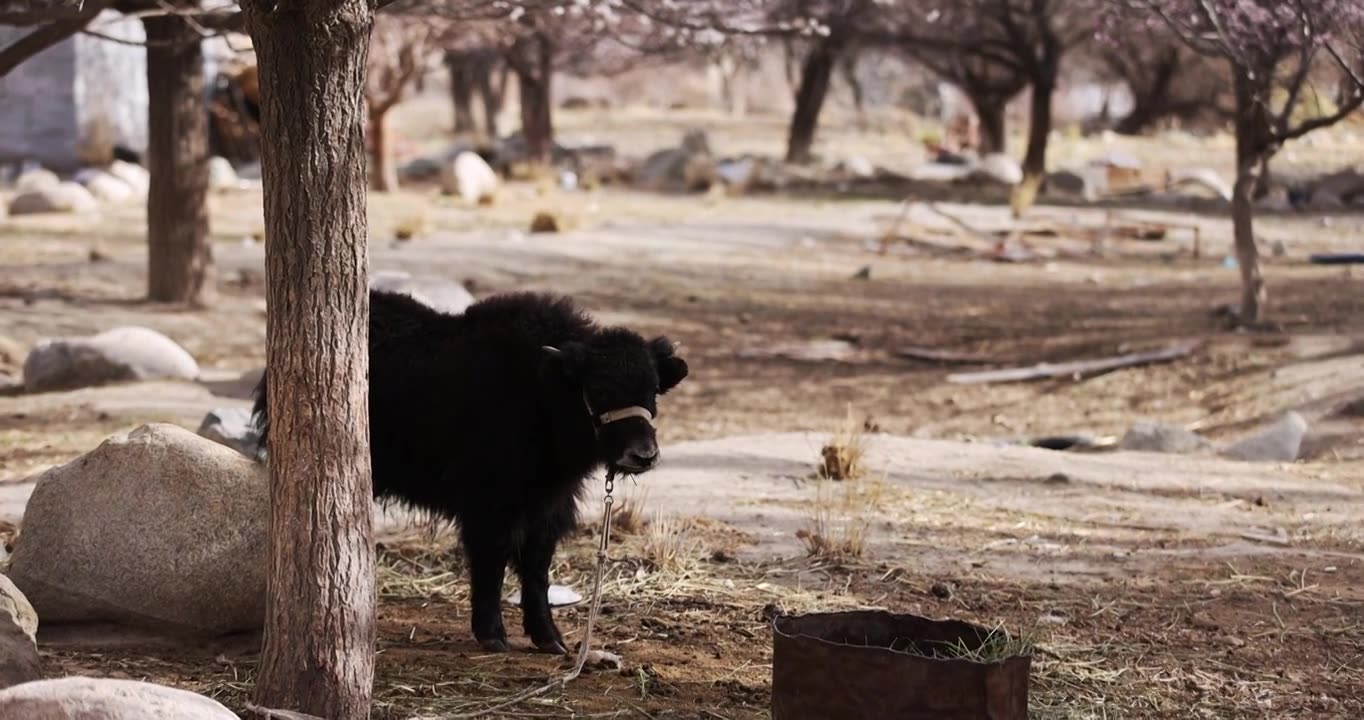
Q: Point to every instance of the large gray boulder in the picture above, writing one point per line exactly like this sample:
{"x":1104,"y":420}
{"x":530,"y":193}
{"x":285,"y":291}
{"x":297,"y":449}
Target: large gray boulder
{"x":124,"y":353}
{"x":157,"y":528}
{"x":442,"y":295}
{"x":1162,"y":438}
{"x":84,"y":698}
{"x":1279,"y":442}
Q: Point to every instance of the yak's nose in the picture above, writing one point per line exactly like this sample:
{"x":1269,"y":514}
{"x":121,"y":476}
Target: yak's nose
{"x":642,"y":457}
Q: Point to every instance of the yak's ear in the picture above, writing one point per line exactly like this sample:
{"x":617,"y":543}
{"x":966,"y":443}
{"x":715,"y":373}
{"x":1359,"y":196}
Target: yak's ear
{"x":562,"y":362}
{"x":672,"y":369}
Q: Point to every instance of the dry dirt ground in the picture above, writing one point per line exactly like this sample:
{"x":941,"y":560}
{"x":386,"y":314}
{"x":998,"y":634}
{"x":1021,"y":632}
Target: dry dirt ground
{"x":1155,"y":587}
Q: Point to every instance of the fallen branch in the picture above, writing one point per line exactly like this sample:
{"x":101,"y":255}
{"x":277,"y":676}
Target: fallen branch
{"x":943,"y":356}
{"x":1077,"y":369}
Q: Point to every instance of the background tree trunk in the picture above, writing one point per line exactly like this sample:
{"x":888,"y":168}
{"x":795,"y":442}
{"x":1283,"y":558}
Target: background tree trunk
{"x":534,"y":74}
{"x":1151,"y":103}
{"x":1252,"y":152}
{"x":179,"y":254}
{"x":318,"y":655}
{"x":1039,"y":133}
{"x":462,"y":92}
{"x":491,"y":93}
{"x":814,"y":87}
{"x":991,"y":112}
{"x":383,"y":167}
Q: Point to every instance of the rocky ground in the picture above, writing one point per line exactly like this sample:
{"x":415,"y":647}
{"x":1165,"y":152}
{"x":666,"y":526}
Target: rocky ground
{"x":1155,"y":585}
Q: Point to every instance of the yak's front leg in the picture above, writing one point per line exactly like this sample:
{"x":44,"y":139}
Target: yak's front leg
{"x":487,"y":554}
{"x":532,"y":560}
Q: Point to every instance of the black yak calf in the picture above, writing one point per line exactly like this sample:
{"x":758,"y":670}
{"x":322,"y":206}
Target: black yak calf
{"x":495,"y":418}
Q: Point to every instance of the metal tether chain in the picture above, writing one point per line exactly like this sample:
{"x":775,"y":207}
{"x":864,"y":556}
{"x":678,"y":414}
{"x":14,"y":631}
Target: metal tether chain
{"x":593,"y":611}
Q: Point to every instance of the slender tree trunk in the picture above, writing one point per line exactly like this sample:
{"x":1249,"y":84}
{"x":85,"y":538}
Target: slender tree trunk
{"x":318,"y":654}
{"x":179,"y":254}
{"x":494,"y":94}
{"x":848,"y":66}
{"x":534,"y":74}
{"x":1039,"y":133}
{"x":814,"y":87}
{"x":462,"y":92}
{"x":383,"y":168}
{"x":1252,"y":132}
{"x":991,"y":113}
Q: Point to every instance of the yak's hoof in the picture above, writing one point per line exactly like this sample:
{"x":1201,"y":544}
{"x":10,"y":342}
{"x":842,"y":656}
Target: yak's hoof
{"x":551,"y":646}
{"x":498,"y":645}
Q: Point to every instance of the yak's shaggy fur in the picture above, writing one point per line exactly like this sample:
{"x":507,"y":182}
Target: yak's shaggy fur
{"x":491,"y":419}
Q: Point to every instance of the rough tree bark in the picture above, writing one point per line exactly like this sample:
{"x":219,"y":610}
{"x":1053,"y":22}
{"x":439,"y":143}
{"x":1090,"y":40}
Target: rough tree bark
{"x":179,"y":254}
{"x":318,"y":654}
{"x":1252,"y":153}
{"x":462,"y":91}
{"x":815,"y":74}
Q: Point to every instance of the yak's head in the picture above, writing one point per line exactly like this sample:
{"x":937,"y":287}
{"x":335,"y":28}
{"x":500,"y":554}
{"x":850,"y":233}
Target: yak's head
{"x":620,"y":376}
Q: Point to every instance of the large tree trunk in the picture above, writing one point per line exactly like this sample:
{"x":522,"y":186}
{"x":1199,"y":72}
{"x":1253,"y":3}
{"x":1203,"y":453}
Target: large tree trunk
{"x":1252,"y":152}
{"x":462,"y":92}
{"x":1039,"y":132}
{"x":991,"y":112}
{"x":814,"y":87}
{"x":179,"y":254}
{"x":383,"y":167}
{"x":318,"y":655}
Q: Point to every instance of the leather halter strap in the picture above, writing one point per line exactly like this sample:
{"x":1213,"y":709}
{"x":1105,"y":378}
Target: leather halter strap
{"x":611,"y":416}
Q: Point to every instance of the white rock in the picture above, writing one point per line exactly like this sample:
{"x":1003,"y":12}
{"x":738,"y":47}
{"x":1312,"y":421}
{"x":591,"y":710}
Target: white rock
{"x":859,"y":167}
{"x":232,"y":427}
{"x":67,"y":197}
{"x":124,"y":353}
{"x":36,"y":180}
{"x":105,"y":187}
{"x":559,"y":596}
{"x":1280,"y":442}
{"x":1163,"y":438}
{"x":135,"y":175}
{"x":470,"y":177}
{"x":19,"y":661}
{"x":442,"y":295}
{"x":1000,"y":168}
{"x":221,"y":174}
{"x":84,"y":698}
{"x":13,"y":601}
{"x":1206,"y":178}
{"x":157,"y":528}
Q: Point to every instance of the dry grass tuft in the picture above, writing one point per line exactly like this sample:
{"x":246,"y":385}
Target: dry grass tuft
{"x":669,"y":546}
{"x":839,"y":519}
{"x":412,"y":226}
{"x":844,"y":456}
{"x":627,"y":515}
